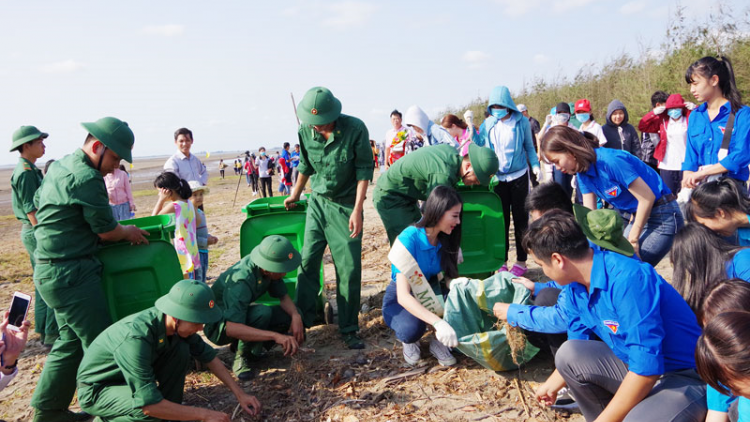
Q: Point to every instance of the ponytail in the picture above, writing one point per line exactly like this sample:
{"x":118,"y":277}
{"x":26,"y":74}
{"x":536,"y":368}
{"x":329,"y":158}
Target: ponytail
{"x":171,"y":181}
{"x":707,"y":67}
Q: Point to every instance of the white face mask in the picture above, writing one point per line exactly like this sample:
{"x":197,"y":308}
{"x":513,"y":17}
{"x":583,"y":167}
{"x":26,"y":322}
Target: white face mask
{"x":562,"y":118}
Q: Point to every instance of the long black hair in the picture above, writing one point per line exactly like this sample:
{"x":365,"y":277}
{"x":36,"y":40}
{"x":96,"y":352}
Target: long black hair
{"x":699,"y":258}
{"x":438,"y":203}
{"x":171,"y":181}
{"x":708,"y":198}
{"x":723,"y":351}
{"x":729,"y":295}
{"x":720,"y":66}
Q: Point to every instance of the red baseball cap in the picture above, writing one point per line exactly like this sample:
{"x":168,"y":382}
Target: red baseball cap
{"x":582,"y":105}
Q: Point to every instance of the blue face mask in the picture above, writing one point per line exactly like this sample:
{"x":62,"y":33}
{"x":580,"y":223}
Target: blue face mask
{"x":675,"y":113}
{"x":263,"y":154}
{"x":583,"y":117}
{"x":499,"y":113}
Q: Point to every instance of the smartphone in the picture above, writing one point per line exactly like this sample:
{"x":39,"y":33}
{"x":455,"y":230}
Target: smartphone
{"x":19,"y":308}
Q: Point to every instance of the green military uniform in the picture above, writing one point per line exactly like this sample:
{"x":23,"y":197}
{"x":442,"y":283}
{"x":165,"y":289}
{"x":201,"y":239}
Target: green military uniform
{"x":133,"y":363}
{"x":411,"y":179}
{"x":24,"y":183}
{"x":121,"y":368}
{"x":236,"y":290}
{"x":334,"y":166}
{"x":73,"y":208}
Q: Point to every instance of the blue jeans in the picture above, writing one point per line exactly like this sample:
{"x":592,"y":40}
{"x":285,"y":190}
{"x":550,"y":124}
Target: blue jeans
{"x":200,"y":273}
{"x":121,"y":211}
{"x":658,"y":234}
{"x":563,"y":180}
{"x":407,"y":327}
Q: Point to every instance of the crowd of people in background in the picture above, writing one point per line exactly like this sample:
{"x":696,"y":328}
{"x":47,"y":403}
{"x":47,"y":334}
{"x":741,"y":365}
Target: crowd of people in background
{"x":598,"y":207}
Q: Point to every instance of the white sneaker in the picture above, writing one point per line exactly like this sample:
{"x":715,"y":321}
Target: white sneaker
{"x":442,"y":353}
{"x":565,"y":400}
{"x":255,"y":193}
{"x":412,"y":353}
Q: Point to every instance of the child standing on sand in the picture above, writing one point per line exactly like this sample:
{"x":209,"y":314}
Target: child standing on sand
{"x":173,"y":198}
{"x":203,"y":238}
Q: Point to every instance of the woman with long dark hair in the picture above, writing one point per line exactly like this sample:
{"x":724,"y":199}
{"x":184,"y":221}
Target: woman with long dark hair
{"x":173,"y":198}
{"x":711,"y":81}
{"x":421,"y":256}
{"x":722,"y":206}
{"x":701,"y":259}
{"x":623,"y":180}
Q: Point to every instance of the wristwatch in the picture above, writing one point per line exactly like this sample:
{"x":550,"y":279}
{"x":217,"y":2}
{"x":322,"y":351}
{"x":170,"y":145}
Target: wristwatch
{"x":15,"y":364}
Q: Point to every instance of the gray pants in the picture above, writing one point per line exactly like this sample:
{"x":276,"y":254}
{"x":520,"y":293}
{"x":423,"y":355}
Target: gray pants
{"x":593,"y":374}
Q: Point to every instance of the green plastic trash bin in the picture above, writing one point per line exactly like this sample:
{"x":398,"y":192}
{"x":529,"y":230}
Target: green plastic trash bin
{"x":266,"y":217}
{"x":133,"y":277}
{"x":482,"y":232}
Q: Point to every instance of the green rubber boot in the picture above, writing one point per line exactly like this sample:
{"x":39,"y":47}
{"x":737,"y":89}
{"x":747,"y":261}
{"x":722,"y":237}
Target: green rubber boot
{"x":241,"y":366}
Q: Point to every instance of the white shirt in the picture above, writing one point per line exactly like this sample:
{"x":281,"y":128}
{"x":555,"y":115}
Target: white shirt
{"x":188,"y":168}
{"x":596,"y":129}
{"x":676,"y":140}
{"x":502,"y":136}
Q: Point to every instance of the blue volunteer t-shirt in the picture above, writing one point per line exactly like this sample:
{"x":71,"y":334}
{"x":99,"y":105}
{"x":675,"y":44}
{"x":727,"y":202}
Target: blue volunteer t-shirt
{"x":641,"y":317}
{"x":743,"y":235}
{"x":739,"y":266}
{"x":705,"y":137}
{"x":427,"y":256}
{"x":295,"y":163}
{"x":611,"y":175}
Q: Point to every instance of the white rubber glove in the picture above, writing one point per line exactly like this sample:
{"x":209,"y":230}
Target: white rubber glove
{"x":469,"y":117}
{"x":536,"y":171}
{"x":445,"y":333}
{"x":690,"y":106}
{"x":660,"y":109}
{"x":548,"y":120}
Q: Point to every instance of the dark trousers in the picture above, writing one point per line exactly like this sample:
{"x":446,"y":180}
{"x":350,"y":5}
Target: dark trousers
{"x":563,"y":180}
{"x":672,"y":179}
{"x":593,"y":374}
{"x":266,"y":189}
{"x":547,"y":297}
{"x":513,"y":196}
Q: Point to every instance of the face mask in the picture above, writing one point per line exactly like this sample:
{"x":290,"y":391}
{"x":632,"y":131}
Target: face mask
{"x":499,"y":113}
{"x":562,"y":118}
{"x":263,"y":154}
{"x":583,"y":117}
{"x":675,"y":113}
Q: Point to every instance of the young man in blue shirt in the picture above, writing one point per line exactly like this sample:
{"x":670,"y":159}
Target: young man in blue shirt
{"x":644,"y":367}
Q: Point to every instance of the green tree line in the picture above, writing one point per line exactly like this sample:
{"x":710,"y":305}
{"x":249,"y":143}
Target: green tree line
{"x":633,"y":80}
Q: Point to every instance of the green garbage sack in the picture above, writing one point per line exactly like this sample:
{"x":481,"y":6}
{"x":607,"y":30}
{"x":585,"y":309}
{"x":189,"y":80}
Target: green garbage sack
{"x":469,"y":311}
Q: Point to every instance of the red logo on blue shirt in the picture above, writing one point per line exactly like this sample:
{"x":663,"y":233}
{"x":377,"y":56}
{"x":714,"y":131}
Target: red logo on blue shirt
{"x":613,"y":192}
{"x":612,"y":325}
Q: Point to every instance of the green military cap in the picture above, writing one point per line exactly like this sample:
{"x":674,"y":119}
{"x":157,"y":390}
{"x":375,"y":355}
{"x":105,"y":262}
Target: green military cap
{"x":484,"y":162}
{"x":191,"y":301}
{"x":276,"y":254}
{"x":26,"y":134}
{"x":115,"y":134}
{"x":603,"y":228}
{"x":318,"y":107}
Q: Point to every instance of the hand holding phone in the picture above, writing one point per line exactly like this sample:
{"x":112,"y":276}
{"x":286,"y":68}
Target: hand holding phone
{"x":19,"y":308}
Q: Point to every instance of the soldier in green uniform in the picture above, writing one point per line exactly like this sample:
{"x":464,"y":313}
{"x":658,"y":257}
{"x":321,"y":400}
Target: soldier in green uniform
{"x":413,"y":177}
{"x":73,"y":215}
{"x":252,"y":324}
{"x":336,"y":157}
{"x":29,"y":142}
{"x":135,"y":370}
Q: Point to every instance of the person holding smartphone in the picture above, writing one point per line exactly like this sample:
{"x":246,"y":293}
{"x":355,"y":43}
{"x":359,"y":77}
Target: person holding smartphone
{"x":13,"y":339}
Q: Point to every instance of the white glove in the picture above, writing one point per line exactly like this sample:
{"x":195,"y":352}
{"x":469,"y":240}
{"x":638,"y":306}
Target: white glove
{"x":548,"y":120}
{"x":659,"y":110}
{"x":445,"y":333}
{"x":690,"y":106}
{"x":469,"y":117}
{"x":536,"y":171}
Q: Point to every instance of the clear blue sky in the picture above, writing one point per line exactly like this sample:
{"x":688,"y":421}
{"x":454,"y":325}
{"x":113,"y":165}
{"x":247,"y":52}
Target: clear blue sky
{"x":225,"y":69}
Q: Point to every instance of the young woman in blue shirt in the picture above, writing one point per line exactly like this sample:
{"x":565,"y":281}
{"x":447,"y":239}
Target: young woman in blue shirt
{"x":434,"y":243}
{"x":712,"y":82}
{"x":722,"y":206}
{"x":623,"y":180}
